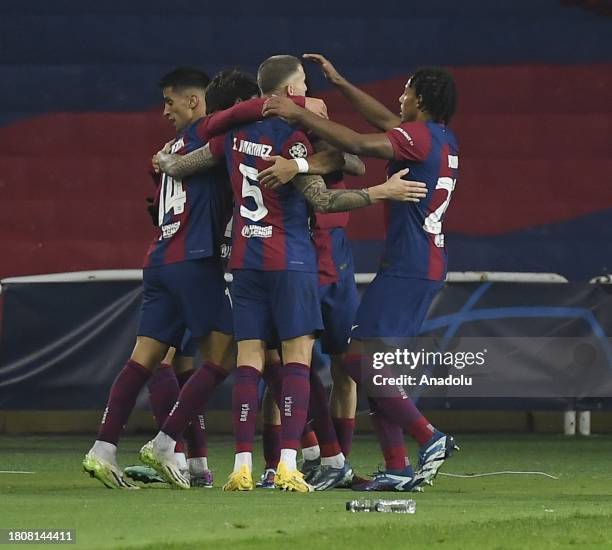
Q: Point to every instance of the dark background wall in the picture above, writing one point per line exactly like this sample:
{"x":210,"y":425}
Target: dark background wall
{"x":80,"y":118}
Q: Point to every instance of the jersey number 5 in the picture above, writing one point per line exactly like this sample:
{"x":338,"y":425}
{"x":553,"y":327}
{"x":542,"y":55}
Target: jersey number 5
{"x":253,"y":191}
{"x":171,"y":197}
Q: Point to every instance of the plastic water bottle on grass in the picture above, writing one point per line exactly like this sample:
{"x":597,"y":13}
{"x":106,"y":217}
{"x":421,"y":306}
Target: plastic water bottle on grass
{"x":399,"y":506}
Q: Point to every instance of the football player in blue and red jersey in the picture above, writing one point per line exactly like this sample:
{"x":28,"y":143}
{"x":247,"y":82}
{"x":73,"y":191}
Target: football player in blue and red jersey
{"x":328,"y":437}
{"x":183,"y":278}
{"x":413,"y":267}
{"x":274,"y":290}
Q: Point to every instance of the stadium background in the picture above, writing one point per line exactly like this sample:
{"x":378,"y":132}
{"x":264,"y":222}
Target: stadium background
{"x":80,"y":115}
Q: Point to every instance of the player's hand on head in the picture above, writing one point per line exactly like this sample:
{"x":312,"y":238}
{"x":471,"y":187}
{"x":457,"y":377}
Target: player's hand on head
{"x":328,"y":69}
{"x":282,"y":107}
{"x":282,"y":171}
{"x":316,"y":106}
{"x":399,"y":189}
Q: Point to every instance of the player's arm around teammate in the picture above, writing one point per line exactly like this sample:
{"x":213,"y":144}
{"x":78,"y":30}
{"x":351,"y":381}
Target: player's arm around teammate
{"x":312,"y":186}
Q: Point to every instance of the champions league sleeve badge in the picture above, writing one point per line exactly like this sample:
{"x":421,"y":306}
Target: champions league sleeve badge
{"x":298,"y":151}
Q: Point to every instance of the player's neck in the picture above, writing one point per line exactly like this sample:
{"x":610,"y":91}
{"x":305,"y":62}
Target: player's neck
{"x":276,"y":93}
{"x":197,"y":115}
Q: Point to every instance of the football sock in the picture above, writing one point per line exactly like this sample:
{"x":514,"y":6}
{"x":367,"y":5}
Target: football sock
{"x":164,"y":444}
{"x":345,"y":427}
{"x":123,"y":394}
{"x":105,"y":450}
{"x":193,"y":398}
{"x":336,"y":461}
{"x":197,"y":466}
{"x":391,"y":439}
{"x":322,"y":422}
{"x":183,"y":376}
{"x":311,"y":453}
{"x":195,"y":434}
{"x":271,"y":445}
{"x":294,"y":404}
{"x":181,"y":461}
{"x":421,"y":430}
{"x":310,"y":444}
{"x":245,"y":400}
{"x":163,"y":392}
{"x":241,"y":459}
{"x":196,"y":437}
{"x":403,"y":412}
{"x":289,"y":457}
{"x":309,"y":438}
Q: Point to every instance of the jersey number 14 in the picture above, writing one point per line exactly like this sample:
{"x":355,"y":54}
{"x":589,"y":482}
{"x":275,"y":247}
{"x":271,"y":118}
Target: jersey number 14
{"x":172,"y":197}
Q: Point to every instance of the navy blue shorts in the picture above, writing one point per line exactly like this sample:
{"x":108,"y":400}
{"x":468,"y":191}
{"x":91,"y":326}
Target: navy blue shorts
{"x":339,"y":300}
{"x":179,"y":296}
{"x":189,"y":345}
{"x":394,"y":307}
{"x":269,"y":305}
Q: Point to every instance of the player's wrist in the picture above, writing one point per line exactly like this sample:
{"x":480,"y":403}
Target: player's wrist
{"x":376,"y":193}
{"x":302,"y":165}
{"x":339,"y":80}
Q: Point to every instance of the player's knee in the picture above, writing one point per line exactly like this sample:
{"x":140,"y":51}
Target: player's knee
{"x":219,"y":348}
{"x":298,"y":350}
{"x":183,"y":363}
{"x":149,"y":352}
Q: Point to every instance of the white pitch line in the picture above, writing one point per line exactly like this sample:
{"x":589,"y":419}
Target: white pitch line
{"x":14,"y":472}
{"x":466,"y":476}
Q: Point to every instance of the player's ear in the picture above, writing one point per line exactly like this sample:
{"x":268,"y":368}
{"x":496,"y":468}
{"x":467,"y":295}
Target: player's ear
{"x":419,"y":103}
{"x":194,"y":101}
{"x":290,"y":89}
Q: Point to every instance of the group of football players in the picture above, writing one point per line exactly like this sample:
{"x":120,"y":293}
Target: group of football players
{"x":253,"y":183}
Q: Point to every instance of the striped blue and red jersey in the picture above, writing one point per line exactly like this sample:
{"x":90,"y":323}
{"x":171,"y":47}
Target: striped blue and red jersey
{"x":321,"y":234}
{"x":414,"y":244}
{"x":193,"y":211}
{"x":270,"y":227}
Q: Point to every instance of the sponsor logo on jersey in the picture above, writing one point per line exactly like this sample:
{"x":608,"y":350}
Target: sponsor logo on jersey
{"x":261,"y":232}
{"x":169,"y":230}
{"x":254,"y":149}
{"x":406,"y":135}
{"x":453,"y":161}
{"x":298,"y":151}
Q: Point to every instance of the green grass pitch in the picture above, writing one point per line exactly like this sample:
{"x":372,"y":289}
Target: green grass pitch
{"x":499,"y":512}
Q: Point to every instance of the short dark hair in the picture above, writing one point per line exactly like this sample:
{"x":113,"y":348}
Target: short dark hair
{"x":228,"y":86}
{"x":185,"y":77}
{"x":438,"y":93}
{"x":275,"y":70}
